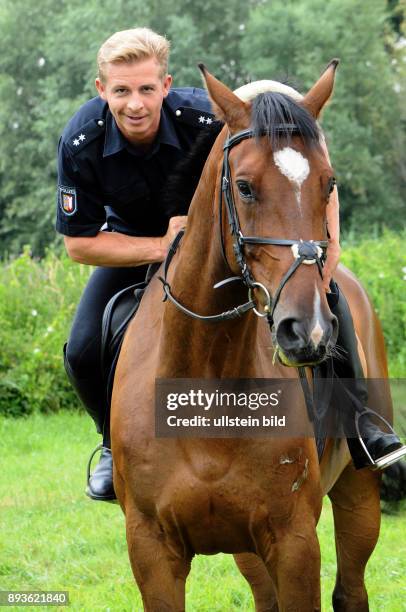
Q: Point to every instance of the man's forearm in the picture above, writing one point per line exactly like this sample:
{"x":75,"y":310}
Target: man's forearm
{"x":112,"y":249}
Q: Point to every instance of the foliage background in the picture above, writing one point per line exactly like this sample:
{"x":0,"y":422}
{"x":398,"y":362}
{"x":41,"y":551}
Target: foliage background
{"x":38,"y":298}
{"x":47,"y":69}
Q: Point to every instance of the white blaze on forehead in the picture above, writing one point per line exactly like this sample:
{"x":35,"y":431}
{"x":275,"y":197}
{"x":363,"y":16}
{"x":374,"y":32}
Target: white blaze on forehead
{"x":292,"y":164}
{"x":295,"y":167}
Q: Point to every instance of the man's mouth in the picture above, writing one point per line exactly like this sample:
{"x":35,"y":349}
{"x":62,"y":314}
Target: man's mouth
{"x":135,"y":118}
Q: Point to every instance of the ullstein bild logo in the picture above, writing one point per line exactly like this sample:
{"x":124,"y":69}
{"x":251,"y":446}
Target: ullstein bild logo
{"x":226,"y":421}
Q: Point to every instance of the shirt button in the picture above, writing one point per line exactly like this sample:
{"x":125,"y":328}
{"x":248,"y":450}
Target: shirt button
{"x":100,"y":123}
{"x":178,"y":113}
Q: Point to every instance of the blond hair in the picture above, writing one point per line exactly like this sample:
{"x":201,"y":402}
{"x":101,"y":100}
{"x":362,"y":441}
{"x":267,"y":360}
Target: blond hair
{"x":132,"y":45}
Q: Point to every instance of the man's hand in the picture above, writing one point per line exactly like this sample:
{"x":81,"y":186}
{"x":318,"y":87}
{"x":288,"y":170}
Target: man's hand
{"x":174,"y":227}
{"x":333,"y":257}
{"x":112,"y":249}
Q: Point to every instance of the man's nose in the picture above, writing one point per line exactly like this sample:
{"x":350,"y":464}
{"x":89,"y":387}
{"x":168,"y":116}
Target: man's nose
{"x":135,"y":103}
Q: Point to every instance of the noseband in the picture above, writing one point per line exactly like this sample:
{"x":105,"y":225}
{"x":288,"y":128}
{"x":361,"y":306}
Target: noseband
{"x":304,"y":251}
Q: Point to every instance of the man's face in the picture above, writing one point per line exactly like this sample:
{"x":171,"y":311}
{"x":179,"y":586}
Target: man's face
{"x":135,"y":92}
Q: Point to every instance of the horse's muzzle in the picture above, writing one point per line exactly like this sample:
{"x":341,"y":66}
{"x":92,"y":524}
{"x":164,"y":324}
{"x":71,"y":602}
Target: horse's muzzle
{"x":302,"y":344}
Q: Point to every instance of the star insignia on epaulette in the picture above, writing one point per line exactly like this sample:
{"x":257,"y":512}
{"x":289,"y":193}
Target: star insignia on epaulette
{"x":203,"y":119}
{"x":78,"y":140}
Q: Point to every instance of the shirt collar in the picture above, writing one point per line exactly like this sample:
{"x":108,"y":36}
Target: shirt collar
{"x":114,"y":140}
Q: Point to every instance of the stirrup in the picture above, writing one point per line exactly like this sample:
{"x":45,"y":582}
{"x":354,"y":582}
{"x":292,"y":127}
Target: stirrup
{"x":386,"y":460}
{"x":99,"y":447}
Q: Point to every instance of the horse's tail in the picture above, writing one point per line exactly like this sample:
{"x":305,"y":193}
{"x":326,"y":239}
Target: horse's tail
{"x":393,"y":486}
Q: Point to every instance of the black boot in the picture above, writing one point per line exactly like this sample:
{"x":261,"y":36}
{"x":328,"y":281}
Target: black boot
{"x":374,"y":447}
{"x":100,"y":483}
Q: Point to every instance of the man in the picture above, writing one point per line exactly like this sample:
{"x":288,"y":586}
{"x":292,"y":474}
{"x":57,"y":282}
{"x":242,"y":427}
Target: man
{"x":115,"y":155}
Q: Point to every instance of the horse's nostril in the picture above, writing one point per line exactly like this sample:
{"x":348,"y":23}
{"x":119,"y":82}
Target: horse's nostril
{"x":289,"y":334}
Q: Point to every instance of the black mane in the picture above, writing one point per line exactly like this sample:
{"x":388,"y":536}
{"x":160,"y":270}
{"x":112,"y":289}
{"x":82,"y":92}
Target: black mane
{"x":271,"y":110}
{"x":181,"y":186}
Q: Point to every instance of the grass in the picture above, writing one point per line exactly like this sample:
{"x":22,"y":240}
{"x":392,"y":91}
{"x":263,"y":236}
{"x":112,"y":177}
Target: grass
{"x":54,"y":538}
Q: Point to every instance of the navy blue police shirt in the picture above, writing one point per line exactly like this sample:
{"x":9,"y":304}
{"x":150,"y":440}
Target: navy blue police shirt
{"x":103,"y":178}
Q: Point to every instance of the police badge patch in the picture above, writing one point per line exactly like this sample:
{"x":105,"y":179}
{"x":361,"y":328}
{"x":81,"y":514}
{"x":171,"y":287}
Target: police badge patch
{"x":67,"y":200}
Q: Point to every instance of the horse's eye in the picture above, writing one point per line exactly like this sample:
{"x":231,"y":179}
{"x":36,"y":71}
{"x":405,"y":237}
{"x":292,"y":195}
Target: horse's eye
{"x":331,"y":184}
{"x":245,"y":190}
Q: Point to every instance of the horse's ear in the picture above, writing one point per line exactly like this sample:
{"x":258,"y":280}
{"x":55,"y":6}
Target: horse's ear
{"x":226,"y":105}
{"x":319,"y":94}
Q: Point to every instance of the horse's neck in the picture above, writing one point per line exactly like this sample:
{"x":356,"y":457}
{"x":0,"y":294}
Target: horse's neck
{"x":191,"y":347}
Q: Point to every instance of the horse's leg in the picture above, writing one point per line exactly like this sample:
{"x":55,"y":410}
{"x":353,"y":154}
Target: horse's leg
{"x":159,"y":571}
{"x":293,"y":562}
{"x":356,"y":508}
{"x":254,"y":571}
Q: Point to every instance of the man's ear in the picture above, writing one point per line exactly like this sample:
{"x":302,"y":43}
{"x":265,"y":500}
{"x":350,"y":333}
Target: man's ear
{"x":167,"y":84}
{"x":100,"y":88}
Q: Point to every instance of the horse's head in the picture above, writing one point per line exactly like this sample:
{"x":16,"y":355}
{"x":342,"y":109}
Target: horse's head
{"x":276,"y":182}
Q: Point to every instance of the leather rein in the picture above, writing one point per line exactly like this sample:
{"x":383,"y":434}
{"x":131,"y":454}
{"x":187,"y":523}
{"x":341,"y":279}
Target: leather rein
{"x":304,"y":251}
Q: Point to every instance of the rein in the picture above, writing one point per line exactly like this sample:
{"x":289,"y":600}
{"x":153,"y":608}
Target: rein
{"x":234,"y":313}
{"x":304,"y":251}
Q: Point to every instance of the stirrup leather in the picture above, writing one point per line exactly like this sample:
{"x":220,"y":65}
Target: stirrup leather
{"x":386,"y":460}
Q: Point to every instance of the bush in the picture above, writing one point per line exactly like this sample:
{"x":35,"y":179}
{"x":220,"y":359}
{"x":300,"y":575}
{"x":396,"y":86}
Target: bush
{"x":38,"y":299}
{"x":380,"y":264}
{"x":37,"y":302}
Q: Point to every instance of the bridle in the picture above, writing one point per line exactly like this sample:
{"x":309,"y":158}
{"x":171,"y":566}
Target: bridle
{"x":304,"y":251}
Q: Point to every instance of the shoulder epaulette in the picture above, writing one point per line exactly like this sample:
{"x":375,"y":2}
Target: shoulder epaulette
{"x":194,"y":117}
{"x":191,"y":106}
{"x":91,"y":130}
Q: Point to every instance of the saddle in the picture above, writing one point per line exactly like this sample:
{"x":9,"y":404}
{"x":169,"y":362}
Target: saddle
{"x":118,"y":313}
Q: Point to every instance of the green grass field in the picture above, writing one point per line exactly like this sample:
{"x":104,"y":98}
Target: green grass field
{"x":53,"y":537}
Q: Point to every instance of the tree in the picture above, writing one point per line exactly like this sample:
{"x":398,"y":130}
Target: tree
{"x":47,"y":70}
{"x":286,"y":38}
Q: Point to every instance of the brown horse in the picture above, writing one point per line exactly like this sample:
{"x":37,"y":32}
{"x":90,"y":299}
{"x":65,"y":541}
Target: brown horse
{"x":257,"y":499}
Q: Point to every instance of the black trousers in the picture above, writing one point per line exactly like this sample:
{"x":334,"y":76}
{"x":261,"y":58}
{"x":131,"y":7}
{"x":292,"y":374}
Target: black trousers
{"x":83,"y":350}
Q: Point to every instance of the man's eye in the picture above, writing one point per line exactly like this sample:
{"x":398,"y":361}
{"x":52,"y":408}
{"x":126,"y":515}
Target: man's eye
{"x":120,"y":90}
{"x":245,"y":190}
